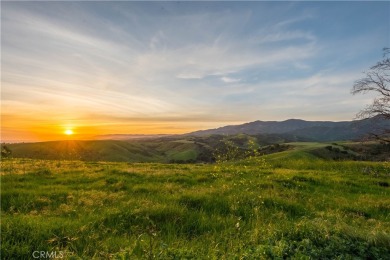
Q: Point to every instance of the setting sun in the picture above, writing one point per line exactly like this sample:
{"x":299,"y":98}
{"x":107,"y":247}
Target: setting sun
{"x":68,"y":132}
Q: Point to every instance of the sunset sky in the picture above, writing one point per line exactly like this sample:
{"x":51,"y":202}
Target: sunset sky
{"x":175,"y":67}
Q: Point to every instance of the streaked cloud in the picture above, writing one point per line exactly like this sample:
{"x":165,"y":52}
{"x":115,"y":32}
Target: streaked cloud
{"x":186,"y":65}
{"x":229,"y":80}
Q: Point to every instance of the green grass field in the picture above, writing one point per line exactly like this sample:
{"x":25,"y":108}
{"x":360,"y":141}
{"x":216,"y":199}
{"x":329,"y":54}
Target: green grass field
{"x":284,"y":205}
{"x":107,"y":150}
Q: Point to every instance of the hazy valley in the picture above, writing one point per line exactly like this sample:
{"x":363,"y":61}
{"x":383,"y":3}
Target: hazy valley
{"x":204,"y":146}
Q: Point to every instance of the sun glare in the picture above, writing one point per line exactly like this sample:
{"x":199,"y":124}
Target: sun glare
{"x":68,"y":132}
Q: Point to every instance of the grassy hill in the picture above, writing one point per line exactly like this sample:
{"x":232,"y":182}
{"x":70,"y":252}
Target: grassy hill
{"x":191,"y":149}
{"x":107,"y":150}
{"x":289,"y":204}
{"x":179,"y":150}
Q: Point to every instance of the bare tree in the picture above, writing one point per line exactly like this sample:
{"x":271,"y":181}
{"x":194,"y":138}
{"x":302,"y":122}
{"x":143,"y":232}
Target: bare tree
{"x":377,"y":80}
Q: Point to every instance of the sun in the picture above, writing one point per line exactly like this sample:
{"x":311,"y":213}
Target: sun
{"x":68,"y":132}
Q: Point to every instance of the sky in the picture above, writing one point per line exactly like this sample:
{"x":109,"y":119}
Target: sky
{"x":175,"y":67}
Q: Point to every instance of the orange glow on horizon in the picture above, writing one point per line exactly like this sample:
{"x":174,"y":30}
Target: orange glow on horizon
{"x":18,"y":128}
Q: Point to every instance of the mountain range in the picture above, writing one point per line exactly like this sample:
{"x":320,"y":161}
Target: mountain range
{"x":306,"y":130}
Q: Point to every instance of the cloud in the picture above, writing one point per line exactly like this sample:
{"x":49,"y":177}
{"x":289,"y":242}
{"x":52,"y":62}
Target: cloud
{"x":190,"y":75}
{"x":165,"y":61}
{"x":157,"y":40}
{"x":230,"y":80}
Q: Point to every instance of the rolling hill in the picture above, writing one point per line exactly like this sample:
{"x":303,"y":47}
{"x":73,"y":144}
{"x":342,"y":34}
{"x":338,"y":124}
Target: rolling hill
{"x":191,"y":149}
{"x":107,"y":150}
{"x":286,"y":205}
{"x":202,"y":146}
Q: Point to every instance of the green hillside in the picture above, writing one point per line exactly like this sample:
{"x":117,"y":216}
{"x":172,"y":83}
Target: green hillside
{"x":194,"y":149}
{"x":286,"y":205}
{"x":106,"y":150}
{"x":178,"y":150}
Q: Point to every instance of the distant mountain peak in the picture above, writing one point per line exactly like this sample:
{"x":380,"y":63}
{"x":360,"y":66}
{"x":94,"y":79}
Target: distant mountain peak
{"x":294,"y":120}
{"x":313,"y":130}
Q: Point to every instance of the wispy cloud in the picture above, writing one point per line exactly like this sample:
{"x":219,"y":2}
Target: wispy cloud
{"x":193,"y":62}
{"x":230,"y":80}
